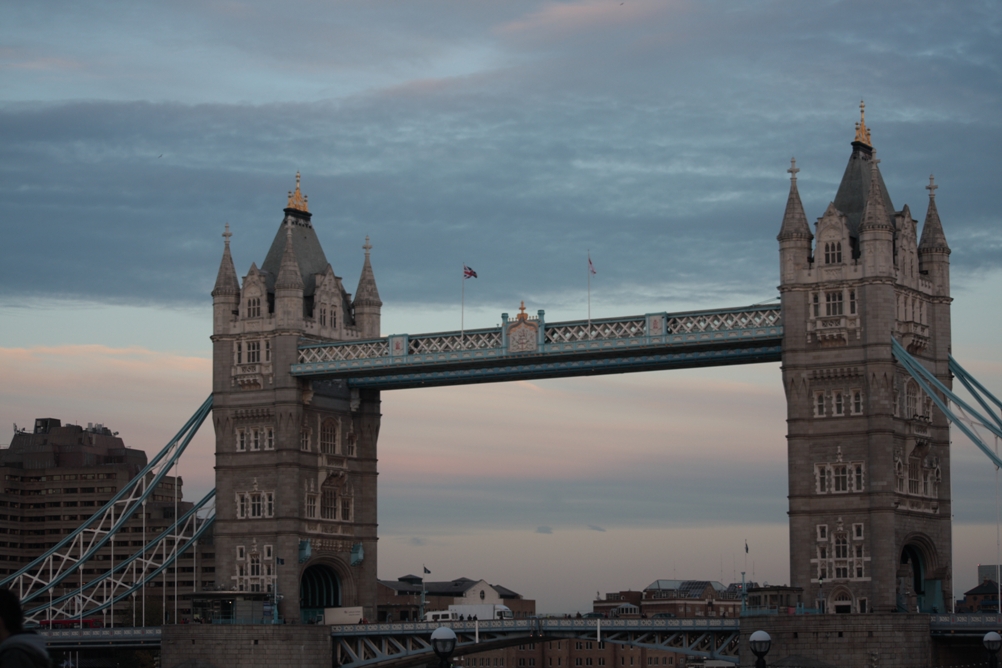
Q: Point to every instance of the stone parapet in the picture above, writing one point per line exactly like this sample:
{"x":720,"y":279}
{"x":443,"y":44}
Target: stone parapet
{"x":247,"y":646}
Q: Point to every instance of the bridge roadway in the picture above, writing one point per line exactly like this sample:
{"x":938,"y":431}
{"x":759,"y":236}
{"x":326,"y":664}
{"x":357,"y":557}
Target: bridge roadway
{"x":399,"y":645}
{"x":527,"y":347}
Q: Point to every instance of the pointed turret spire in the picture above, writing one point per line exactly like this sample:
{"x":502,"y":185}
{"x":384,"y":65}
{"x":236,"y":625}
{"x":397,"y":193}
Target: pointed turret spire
{"x":875,"y":213}
{"x":795,"y":224}
{"x":367,"y":293}
{"x":297,"y":200}
{"x":932,"y":231}
{"x":862,"y":133}
{"x":288,"y":275}
{"x":226,"y":279}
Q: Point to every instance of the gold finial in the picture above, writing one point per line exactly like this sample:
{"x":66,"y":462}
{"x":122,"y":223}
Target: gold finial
{"x":522,"y":315}
{"x":296,"y":199}
{"x":862,"y":133}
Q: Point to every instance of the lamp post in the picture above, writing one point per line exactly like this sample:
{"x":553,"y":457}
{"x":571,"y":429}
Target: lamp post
{"x":760,"y":642}
{"x":443,"y":641}
{"x":992,"y":642}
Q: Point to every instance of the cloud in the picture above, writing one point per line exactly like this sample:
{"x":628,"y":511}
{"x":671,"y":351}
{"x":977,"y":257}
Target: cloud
{"x":544,"y":529}
{"x":417,"y":542}
{"x":596,"y":528}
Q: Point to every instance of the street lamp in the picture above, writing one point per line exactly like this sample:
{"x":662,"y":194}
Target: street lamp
{"x":443,"y":641}
{"x":992,"y":642}
{"x":760,"y":642}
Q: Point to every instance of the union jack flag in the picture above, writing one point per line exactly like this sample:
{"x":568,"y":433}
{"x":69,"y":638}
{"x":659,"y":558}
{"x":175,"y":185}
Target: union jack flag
{"x":468,"y":273}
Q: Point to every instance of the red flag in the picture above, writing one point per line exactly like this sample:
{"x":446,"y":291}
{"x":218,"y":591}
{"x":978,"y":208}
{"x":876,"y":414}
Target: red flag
{"x":468,"y":273}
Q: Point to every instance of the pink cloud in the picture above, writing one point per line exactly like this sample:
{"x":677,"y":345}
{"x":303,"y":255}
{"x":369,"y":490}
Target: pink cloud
{"x":566,"y":18}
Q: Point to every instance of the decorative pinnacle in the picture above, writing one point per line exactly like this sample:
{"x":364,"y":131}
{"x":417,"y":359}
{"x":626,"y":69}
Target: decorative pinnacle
{"x":367,"y":247}
{"x":297,"y":200}
{"x":522,"y":315}
{"x":862,"y":133}
{"x":226,"y":235}
{"x":793,"y":169}
{"x":931,"y":188}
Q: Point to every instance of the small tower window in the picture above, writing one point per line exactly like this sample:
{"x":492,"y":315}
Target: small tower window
{"x":269,"y":438}
{"x":857,"y":474}
{"x":241,"y":440}
{"x":240,"y":353}
{"x":328,"y":504}
{"x":304,"y":439}
{"x":267,"y":351}
{"x":819,"y":404}
{"x":841,"y":478}
{"x":911,"y":400}
{"x":852,"y":302}
{"x":254,"y":307}
{"x":311,"y":506}
{"x":253,"y":352}
{"x":839,"y":408}
{"x":816,"y":303}
{"x":857,"y":402}
{"x":328,"y":437}
{"x":833,"y":303}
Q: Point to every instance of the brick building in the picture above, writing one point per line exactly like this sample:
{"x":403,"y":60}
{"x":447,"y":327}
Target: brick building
{"x":57,"y":476}
{"x":677,"y":598}
{"x":400,"y":600}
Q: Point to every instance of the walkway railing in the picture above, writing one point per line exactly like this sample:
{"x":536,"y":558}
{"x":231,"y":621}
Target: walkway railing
{"x":530,"y":340}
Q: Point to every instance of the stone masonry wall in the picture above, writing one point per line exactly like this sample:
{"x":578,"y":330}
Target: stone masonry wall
{"x":847,"y":641}
{"x":250,"y":646}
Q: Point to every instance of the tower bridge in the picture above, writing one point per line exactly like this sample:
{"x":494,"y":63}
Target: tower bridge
{"x":863,"y":331}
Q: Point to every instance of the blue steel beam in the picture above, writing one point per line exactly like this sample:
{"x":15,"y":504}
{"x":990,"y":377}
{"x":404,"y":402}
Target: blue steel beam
{"x":529,"y":348}
{"x":399,"y":645}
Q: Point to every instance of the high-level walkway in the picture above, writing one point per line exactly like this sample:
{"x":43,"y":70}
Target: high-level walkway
{"x":528,"y":347}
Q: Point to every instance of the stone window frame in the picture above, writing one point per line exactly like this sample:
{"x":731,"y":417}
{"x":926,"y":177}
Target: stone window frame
{"x":834,"y":305}
{"x":819,"y":404}
{"x":304,"y":439}
{"x":857,"y":531}
{"x":241,"y":440}
{"x":855,"y":401}
{"x":268,"y":552}
{"x":826,"y":477}
{"x":853,"y":304}
{"x":311,"y":506}
{"x":330,"y":429}
{"x":253,"y":352}
{"x":269,"y":438}
{"x":821,"y":531}
{"x":838,"y":403}
{"x":833,"y":252}
{"x":238,"y":353}
{"x":253,"y":308}
{"x":241,"y":552}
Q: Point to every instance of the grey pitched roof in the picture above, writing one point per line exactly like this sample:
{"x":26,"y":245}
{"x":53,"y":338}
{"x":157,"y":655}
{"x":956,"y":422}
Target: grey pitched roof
{"x":986,"y":587}
{"x":854,"y":190}
{"x":309,"y":255}
{"x":226,"y":279}
{"x":794,"y":219}
{"x":367,"y":293}
{"x":932,"y":231}
{"x":504,"y":592}
{"x":875,"y":211}
{"x":288,"y":272}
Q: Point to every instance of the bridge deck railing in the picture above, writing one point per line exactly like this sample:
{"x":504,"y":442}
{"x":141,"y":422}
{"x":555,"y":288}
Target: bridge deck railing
{"x":569,"y":337}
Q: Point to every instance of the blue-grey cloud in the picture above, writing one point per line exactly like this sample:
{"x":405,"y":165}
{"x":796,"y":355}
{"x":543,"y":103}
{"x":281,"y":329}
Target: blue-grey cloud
{"x":655,"y":140}
{"x":544,"y":529}
{"x":595,"y":527}
{"x":417,"y":542}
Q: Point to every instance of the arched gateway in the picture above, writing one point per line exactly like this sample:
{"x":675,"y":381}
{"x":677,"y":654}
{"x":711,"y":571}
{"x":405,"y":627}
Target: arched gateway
{"x":869,"y":483}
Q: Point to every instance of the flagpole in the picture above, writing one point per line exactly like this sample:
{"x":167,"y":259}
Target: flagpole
{"x":462,"y":308}
{"x":588,"y":269}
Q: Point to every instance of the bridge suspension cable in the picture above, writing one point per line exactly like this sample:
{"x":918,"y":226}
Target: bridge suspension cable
{"x":937,"y":391}
{"x":69,"y":555}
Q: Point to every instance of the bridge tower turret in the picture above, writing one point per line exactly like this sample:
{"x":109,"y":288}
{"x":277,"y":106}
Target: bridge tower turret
{"x":869,"y":482}
{"x":295,"y":459}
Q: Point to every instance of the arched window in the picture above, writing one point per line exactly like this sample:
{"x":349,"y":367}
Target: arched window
{"x":839,"y":407}
{"x":828,"y":256}
{"x":328,"y":437}
{"x":838,"y":252}
{"x":254,"y":307}
{"x":346,"y":506}
{"x":255,"y":565}
{"x":911,"y":400}
{"x":819,"y":404}
{"x":304,"y":439}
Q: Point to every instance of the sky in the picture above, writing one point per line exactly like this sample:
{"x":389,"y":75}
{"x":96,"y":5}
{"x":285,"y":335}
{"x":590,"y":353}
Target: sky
{"x":517,"y":138}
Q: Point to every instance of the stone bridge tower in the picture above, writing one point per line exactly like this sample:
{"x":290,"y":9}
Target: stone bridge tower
{"x":869,"y":459}
{"x":295,"y":461}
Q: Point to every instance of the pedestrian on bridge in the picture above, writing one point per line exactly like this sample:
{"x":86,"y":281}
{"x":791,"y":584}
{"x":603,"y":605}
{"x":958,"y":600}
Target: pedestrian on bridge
{"x":19,"y":648}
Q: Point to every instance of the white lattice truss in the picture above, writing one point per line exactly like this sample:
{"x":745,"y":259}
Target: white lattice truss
{"x":447,"y":343}
{"x":67,"y":558}
{"x":145,"y":565}
{"x":692,"y":326}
